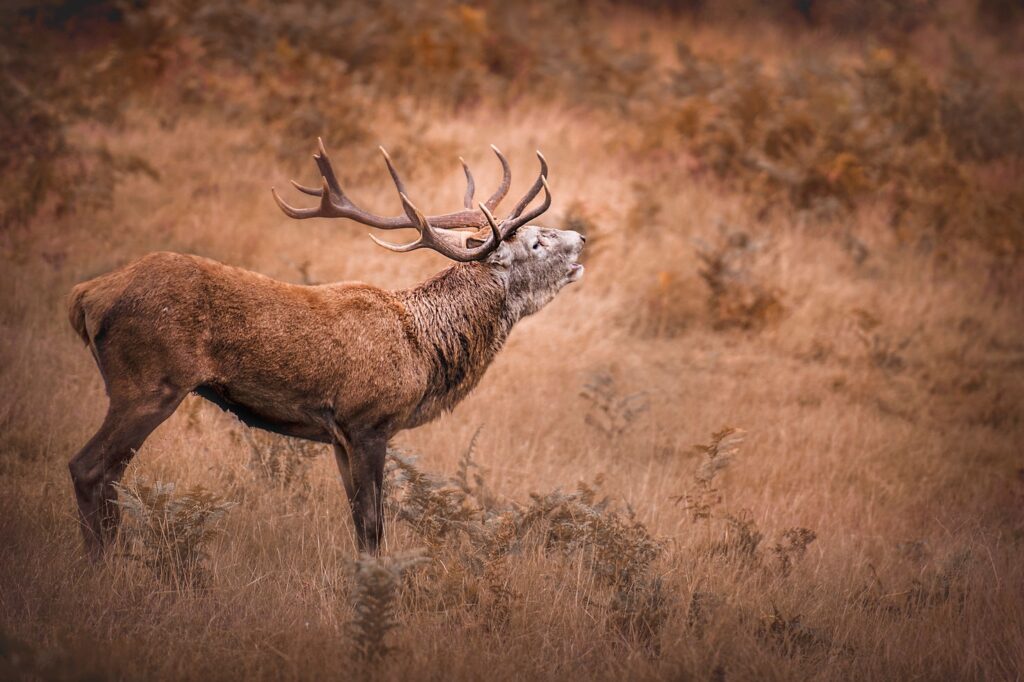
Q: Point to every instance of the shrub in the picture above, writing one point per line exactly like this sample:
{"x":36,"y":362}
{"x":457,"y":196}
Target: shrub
{"x":821,"y":139}
{"x":792,"y":547}
{"x":282,"y":461}
{"x":663,"y":309}
{"x":716,"y":455}
{"x":375,"y":602}
{"x":610,"y":412}
{"x":478,"y":539}
{"x":169,"y":532}
{"x":736,"y":298}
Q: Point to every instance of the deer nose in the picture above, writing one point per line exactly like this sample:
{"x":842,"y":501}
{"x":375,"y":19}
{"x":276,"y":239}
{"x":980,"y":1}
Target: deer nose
{"x":583,"y":239}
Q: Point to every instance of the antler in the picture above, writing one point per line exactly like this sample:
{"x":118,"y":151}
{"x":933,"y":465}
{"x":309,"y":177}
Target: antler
{"x":448,"y":243}
{"x":515,"y":220}
{"x":440,"y":233}
{"x":499,"y":194}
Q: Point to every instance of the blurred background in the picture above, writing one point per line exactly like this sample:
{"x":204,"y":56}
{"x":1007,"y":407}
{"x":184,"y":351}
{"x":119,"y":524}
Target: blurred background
{"x":805,"y":221}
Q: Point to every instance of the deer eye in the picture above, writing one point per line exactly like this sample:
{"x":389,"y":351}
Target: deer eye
{"x":536,"y":245}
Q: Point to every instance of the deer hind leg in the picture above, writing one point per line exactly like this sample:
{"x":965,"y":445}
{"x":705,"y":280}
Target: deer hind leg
{"x":100,"y":464}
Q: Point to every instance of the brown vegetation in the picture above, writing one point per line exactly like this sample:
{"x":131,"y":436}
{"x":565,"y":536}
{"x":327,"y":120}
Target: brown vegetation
{"x":814,"y":239}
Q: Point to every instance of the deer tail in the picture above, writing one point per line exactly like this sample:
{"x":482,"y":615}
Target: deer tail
{"x":76,"y":311}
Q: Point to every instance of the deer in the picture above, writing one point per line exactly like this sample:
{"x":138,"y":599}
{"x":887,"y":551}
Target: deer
{"x":346,"y":363}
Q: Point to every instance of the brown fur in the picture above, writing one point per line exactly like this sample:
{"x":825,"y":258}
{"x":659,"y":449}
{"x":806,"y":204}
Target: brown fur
{"x":347,"y":363}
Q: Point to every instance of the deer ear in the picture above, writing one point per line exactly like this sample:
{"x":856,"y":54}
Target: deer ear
{"x":501,"y":256}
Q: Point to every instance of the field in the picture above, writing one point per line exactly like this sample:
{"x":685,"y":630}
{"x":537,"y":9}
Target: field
{"x":774,"y":433}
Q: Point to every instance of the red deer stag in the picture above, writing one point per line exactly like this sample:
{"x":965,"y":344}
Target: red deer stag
{"x":347,"y":363}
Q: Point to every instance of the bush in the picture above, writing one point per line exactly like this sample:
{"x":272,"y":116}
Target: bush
{"x":169,"y":532}
{"x":737,"y":298}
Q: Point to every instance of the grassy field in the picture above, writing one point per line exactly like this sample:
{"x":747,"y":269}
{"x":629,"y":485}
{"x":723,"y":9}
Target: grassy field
{"x":774,"y":433}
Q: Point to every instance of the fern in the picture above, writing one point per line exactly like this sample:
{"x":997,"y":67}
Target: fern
{"x":169,"y":531}
{"x":375,"y":602}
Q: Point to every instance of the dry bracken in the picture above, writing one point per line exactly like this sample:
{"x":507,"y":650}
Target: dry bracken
{"x":169,"y":531}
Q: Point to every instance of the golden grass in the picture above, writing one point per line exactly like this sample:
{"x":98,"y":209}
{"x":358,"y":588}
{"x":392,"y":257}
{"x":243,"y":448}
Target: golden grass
{"x":868,"y":526}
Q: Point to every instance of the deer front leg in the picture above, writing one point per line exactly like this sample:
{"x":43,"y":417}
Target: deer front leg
{"x":361,"y":467}
{"x":367,"y":466}
{"x":341,"y":456}
{"x":344,"y":469}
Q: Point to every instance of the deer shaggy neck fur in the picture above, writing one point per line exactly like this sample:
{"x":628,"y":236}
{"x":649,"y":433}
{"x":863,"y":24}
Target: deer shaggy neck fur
{"x":461,"y":318}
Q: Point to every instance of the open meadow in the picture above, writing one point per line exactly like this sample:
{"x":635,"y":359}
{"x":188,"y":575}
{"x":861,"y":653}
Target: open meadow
{"x":776,"y":431}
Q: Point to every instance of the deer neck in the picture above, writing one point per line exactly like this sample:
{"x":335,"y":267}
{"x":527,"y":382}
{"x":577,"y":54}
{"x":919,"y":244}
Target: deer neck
{"x":461,"y":320}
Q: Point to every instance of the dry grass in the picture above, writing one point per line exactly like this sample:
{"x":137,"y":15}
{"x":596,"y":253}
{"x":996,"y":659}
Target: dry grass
{"x":863,"y":335}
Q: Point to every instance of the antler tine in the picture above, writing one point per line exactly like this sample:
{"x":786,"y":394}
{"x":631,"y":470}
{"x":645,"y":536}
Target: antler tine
{"x":441,"y":241}
{"x":394,"y":174}
{"x":419,"y":222}
{"x":323,"y":162}
{"x":510,"y":225}
{"x":417,"y":218}
{"x":495,"y":231}
{"x":529,"y":196}
{"x":470,"y":185}
{"x":325,"y":208}
{"x":397,"y":248}
{"x":506,"y":181}
{"x":312,"y":191}
{"x":537,"y":212}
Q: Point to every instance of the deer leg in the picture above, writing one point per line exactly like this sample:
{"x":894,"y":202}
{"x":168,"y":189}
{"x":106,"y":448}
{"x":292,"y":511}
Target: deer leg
{"x":343,"y":455}
{"x":100,"y":464}
{"x":345,"y":470}
{"x":361,"y":465}
{"x":368,"y":482}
